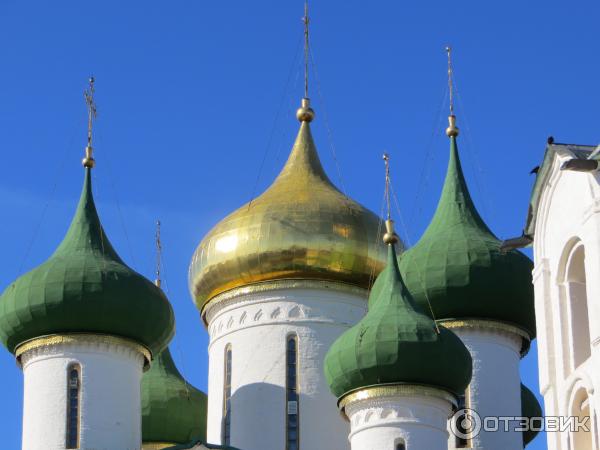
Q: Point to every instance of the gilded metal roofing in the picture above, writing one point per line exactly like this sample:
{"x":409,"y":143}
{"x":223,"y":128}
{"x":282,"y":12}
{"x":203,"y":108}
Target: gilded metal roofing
{"x":302,"y":227}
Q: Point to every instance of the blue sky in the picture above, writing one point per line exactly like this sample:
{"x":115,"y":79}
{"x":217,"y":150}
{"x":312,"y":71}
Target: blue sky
{"x":193,"y":95}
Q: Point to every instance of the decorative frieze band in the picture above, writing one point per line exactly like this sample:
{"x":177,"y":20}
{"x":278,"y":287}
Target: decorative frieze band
{"x":491,"y":326}
{"x":45,"y":343}
{"x":394,"y":390}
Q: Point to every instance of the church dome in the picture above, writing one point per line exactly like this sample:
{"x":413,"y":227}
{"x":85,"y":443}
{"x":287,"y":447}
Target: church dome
{"x":458,"y":267}
{"x":85,"y":287}
{"x":530,"y":407}
{"x":396,"y":343}
{"x":301,"y":227}
{"x":173,"y":411}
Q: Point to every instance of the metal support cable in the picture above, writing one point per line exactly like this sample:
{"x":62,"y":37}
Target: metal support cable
{"x":326,"y":120}
{"x":123,"y":224}
{"x":417,"y":207}
{"x":474,"y":161}
{"x":274,"y":126}
{"x":69,"y":148}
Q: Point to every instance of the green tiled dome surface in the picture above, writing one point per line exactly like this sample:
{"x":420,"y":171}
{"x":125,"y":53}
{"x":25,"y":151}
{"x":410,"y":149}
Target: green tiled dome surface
{"x":457,"y":264}
{"x":396,"y":343}
{"x":530,"y":407}
{"x":200,"y":445}
{"x":172,"y":409}
{"x":85,"y":287}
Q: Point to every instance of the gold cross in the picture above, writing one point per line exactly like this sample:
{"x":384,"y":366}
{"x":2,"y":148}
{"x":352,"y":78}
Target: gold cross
{"x":88,"y":94}
{"x":450,"y":84}
{"x":386,"y":159}
{"x":306,"y":22}
{"x":158,"y":254}
{"x":91,"y":104}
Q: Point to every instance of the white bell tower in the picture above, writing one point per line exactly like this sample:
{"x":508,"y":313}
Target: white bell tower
{"x":565,"y":226}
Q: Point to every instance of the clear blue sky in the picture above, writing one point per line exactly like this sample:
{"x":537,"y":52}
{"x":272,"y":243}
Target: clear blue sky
{"x":188,"y":96}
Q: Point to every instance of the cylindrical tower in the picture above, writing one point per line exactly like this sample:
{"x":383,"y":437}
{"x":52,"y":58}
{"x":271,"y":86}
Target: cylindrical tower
{"x":83,"y":325}
{"x":458,"y":271}
{"x":396,"y":374}
{"x":80,"y":391}
{"x":277,"y":282}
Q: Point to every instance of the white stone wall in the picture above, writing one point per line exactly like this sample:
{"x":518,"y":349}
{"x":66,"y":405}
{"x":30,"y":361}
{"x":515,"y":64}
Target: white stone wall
{"x":495,"y":388}
{"x":256,"y":326}
{"x":417,"y":420}
{"x":568,"y":216}
{"x":110,"y":396}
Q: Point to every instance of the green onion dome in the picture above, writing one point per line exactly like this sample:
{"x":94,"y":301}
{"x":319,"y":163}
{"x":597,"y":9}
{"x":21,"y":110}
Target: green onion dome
{"x":530,"y":407}
{"x":85,"y":287}
{"x":458,"y":266}
{"x":173,"y":411}
{"x":200,"y":445}
{"x":396,"y":343}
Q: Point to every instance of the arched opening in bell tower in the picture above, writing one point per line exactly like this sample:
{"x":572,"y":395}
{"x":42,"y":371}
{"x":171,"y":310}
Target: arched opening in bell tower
{"x":575,"y":301}
{"x":581,"y":432}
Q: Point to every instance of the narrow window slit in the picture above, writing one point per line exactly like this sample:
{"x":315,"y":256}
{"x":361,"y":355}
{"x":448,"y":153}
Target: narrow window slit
{"x":73,"y":405}
{"x":292,"y":412}
{"x":226,"y":422}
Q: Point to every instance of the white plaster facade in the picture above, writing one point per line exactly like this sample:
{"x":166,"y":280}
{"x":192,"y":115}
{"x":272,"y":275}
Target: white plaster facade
{"x":495,"y":388}
{"x":110,"y":403}
{"x":416,"y":421}
{"x":567,"y":289}
{"x":256,"y":326}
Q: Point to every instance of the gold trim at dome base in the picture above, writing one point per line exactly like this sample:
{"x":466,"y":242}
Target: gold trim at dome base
{"x":82,"y":338}
{"x":157,"y":445}
{"x":490,"y":325}
{"x":391,"y":390}
{"x":273,"y":285}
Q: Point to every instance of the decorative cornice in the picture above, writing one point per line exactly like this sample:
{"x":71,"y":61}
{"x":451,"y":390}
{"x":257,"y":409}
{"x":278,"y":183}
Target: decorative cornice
{"x":157,"y":445}
{"x":391,"y":390}
{"x":267,"y":286}
{"x":82,"y":338}
{"x":490,"y":325}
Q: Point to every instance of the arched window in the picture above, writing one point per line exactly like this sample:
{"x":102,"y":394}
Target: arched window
{"x":226,"y":422}
{"x":577,"y":302}
{"x":463,"y":403}
{"x":581,"y":438}
{"x":292,"y":424}
{"x":73,"y":405}
{"x":400,"y":445}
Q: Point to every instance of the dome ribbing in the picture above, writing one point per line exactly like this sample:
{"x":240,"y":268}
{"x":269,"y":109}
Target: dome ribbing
{"x":458,"y":266}
{"x":172,"y":410}
{"x":85,"y":287}
{"x":302,"y":227}
{"x":395,"y":343}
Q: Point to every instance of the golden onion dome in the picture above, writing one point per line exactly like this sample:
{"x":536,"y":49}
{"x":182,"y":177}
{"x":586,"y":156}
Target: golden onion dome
{"x":301,"y":228}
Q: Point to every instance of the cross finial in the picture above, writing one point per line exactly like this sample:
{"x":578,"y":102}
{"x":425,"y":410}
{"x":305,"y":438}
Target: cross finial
{"x":306,"y":21}
{"x":305,"y":113}
{"x":450,"y":84}
{"x":157,"y":281}
{"x":390,"y":237}
{"x":88,"y":94}
{"x":386,"y":161}
{"x":452,"y":130}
